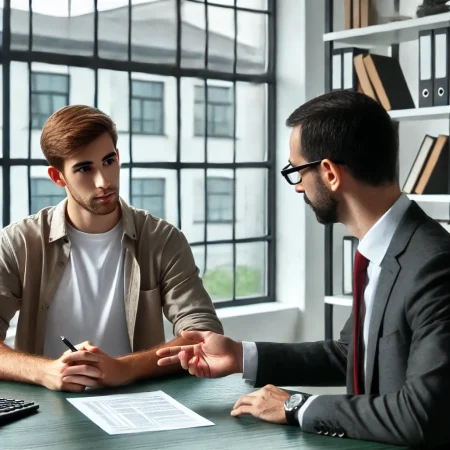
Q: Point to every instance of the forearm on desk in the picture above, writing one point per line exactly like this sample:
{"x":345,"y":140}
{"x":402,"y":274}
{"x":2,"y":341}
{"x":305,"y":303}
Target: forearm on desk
{"x":144,"y":364}
{"x":20,"y":367}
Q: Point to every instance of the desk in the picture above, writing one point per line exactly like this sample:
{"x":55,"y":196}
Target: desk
{"x":60,"y":426}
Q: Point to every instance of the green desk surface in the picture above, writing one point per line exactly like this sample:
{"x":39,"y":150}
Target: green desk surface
{"x":60,"y":426}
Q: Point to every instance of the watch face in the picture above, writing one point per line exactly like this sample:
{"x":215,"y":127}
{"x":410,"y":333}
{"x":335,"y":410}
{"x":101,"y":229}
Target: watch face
{"x":293,"y":401}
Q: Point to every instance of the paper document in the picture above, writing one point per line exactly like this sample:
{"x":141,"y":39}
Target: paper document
{"x":136,"y":413}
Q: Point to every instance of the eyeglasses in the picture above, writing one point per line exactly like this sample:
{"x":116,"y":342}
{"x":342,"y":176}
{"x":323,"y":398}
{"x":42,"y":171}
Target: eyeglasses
{"x":293,"y":175}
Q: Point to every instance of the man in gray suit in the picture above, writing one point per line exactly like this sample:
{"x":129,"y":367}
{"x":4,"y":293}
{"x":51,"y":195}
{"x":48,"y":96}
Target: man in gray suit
{"x":343,"y":158}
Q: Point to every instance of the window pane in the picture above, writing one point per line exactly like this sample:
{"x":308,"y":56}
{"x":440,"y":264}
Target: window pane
{"x":155,"y":190}
{"x":113,"y":29}
{"x":154,"y":31}
{"x":252,"y":4}
{"x":82,"y":85}
{"x":149,"y":194}
{"x":59,"y":27}
{"x":193,"y":201}
{"x":252,"y":43}
{"x":19,"y":193}
{"x":44,"y":193}
{"x":251,"y":203}
{"x":251,"y":122}
{"x":251,"y":269}
{"x":113,"y":100}
{"x":218,"y":278}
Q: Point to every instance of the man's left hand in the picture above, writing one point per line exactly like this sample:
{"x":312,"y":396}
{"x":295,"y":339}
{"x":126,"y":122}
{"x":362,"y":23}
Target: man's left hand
{"x":266,"y":404}
{"x":116,"y":372}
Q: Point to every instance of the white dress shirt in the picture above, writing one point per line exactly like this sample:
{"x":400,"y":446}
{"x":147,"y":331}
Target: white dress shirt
{"x":373,"y":246}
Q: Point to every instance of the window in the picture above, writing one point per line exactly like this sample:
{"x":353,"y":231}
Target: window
{"x":149,"y":194}
{"x":49,"y":92}
{"x":45,"y":193}
{"x":154,"y":77}
{"x":147,"y":109}
{"x":220,"y":111}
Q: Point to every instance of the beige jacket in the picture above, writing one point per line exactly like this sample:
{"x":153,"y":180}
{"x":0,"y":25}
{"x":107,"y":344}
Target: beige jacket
{"x":159,"y":270}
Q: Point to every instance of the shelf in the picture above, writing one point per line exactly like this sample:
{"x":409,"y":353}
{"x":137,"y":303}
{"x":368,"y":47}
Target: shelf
{"x":433,"y":112}
{"x":387,"y":33}
{"x":341,"y":300}
{"x":430,"y":198}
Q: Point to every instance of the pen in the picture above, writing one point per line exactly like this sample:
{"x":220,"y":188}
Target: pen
{"x":67,"y":342}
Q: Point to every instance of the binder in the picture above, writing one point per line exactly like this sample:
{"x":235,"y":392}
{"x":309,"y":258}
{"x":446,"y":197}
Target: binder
{"x":441,"y":67}
{"x":336,"y":70}
{"x":419,"y":163}
{"x":388,"y":81}
{"x":434,"y":178}
{"x":426,"y":56}
{"x":349,"y":246}
{"x":349,"y":77}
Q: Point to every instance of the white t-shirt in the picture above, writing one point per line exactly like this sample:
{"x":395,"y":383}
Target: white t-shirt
{"x":89,"y":302}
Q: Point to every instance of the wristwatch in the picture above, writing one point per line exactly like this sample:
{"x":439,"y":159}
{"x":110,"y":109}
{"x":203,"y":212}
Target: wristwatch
{"x":292,"y":406}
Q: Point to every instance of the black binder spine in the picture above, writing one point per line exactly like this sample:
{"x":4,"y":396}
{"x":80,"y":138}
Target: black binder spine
{"x":426,"y":68}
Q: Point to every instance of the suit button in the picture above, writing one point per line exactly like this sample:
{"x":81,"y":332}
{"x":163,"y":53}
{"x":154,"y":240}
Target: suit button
{"x":45,"y":306}
{"x":318,"y":430}
{"x":340,"y":432}
{"x":326,"y":431}
{"x":61,"y":264}
{"x":333,"y":432}
{"x":66,"y":241}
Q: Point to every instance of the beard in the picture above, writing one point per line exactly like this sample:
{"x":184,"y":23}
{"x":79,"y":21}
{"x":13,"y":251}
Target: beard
{"x":92,"y":204}
{"x":324,"y":206}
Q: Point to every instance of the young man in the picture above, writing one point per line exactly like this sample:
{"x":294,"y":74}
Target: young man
{"x":393,"y":353}
{"x":93,"y":269}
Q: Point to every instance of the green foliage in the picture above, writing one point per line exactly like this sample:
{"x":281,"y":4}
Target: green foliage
{"x":219,"y":282}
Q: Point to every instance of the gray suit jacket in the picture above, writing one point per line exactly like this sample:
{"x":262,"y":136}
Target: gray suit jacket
{"x":407,"y":385}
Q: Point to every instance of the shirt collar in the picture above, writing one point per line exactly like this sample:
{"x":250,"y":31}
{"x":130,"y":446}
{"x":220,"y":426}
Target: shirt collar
{"x":58,"y":225}
{"x":375,"y":243}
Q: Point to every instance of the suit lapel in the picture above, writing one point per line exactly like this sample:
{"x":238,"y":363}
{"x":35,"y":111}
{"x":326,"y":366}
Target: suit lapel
{"x":389,"y":272}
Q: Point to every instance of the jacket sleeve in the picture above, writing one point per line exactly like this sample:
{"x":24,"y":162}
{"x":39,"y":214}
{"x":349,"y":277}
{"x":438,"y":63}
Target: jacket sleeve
{"x":417,"y":415}
{"x":185,"y":301}
{"x":320,"y":363}
{"x":10,"y":287}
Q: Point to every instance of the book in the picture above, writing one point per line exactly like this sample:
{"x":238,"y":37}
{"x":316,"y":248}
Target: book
{"x":434,"y":178}
{"x":388,"y":81}
{"x":363,"y":78}
{"x":418,"y":164}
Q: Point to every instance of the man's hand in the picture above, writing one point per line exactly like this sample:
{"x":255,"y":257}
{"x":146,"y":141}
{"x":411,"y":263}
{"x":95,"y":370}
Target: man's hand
{"x":266,"y":404}
{"x":213,"y":356}
{"x":114,"y":372}
{"x":82,"y":365}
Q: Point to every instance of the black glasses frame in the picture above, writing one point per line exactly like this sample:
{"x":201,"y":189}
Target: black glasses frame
{"x":286,"y":171}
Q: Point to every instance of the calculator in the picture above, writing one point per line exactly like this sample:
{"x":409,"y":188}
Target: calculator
{"x":11,"y":409}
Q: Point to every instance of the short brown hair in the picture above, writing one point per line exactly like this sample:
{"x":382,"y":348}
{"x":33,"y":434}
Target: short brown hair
{"x":71,"y":128}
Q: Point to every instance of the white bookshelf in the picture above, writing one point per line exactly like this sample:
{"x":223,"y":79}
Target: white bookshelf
{"x":339,"y":300}
{"x":430,"y":198}
{"x":433,"y":112}
{"x":388,"y":33}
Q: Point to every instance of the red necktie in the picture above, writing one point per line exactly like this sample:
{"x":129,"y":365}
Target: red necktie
{"x":359,"y":283}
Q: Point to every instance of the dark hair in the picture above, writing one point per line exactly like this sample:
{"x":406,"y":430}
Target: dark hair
{"x":350,"y":127}
{"x":70,"y":129}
